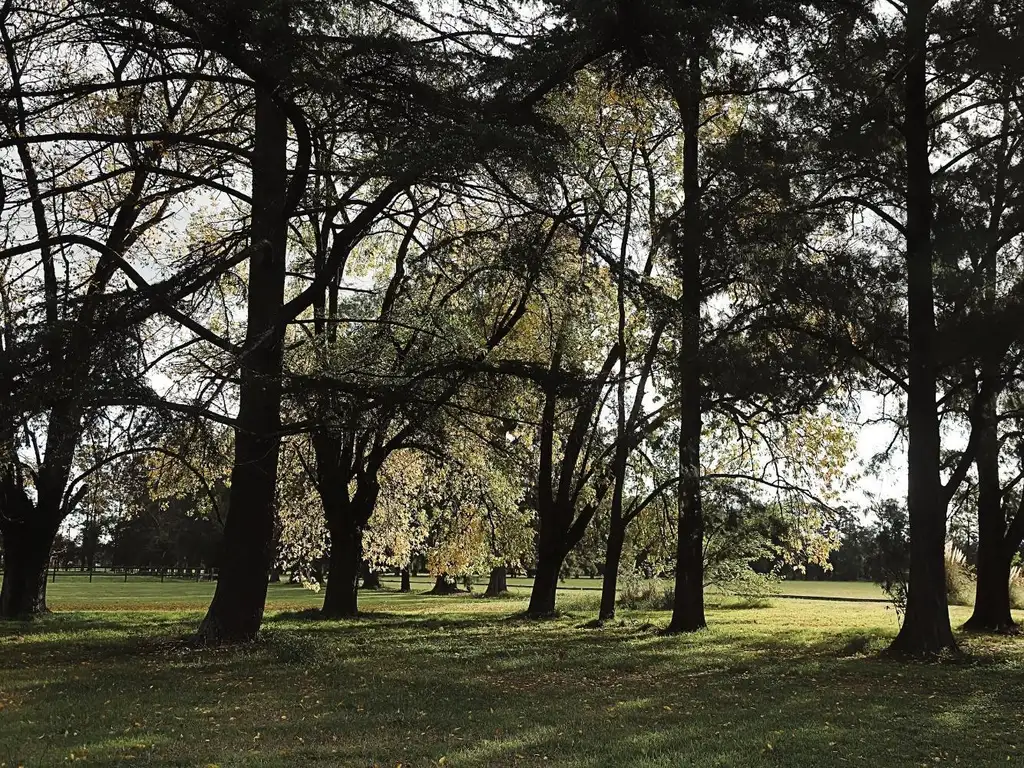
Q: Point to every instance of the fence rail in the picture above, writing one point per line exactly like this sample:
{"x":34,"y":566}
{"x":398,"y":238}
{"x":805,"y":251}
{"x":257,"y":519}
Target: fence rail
{"x":123,"y":573}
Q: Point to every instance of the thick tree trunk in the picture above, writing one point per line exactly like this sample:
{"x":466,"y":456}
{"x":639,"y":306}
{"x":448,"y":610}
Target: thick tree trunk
{"x":545,"y":583}
{"x":236,"y":613}
{"x":992,"y":600}
{"x":28,"y":531}
{"x":995,"y":549}
{"x":612,"y":560}
{"x":27,"y":548}
{"x":406,"y":581}
{"x":992,"y":603}
{"x":688,"y":603}
{"x":926,"y":629}
{"x":341,"y":597}
{"x":497,"y":583}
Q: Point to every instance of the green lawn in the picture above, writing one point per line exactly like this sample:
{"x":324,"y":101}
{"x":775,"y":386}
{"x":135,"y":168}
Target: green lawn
{"x":76,"y":592}
{"x":861,"y":590}
{"x":423,"y":681}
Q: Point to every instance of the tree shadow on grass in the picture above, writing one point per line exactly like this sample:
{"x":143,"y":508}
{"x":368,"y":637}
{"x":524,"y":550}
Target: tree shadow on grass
{"x":483,"y":691}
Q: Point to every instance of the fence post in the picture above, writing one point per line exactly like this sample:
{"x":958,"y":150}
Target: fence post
{"x":126,"y":575}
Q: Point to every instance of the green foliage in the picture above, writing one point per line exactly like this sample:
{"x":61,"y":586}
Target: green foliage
{"x":890,"y":561}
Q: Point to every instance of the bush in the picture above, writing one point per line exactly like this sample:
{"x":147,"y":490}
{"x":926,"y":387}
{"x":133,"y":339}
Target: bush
{"x":579,"y":602}
{"x":960,"y":586}
{"x":1017,"y":589}
{"x":889,"y":561}
{"x":743,"y":582}
{"x":639,"y":594}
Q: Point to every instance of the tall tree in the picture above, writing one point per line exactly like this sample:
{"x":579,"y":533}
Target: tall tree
{"x":97,"y":181}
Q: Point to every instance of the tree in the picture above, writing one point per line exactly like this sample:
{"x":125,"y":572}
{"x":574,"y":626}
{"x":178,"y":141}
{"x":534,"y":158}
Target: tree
{"x":572,"y":477}
{"x":93,"y":188}
{"x":919,"y":133}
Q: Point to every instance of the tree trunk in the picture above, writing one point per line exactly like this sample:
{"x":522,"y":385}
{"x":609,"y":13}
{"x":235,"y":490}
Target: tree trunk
{"x":688,"y":602}
{"x":616,"y":524}
{"x":545,"y":583}
{"x":27,"y":548}
{"x":926,"y":629}
{"x":612,"y":559}
{"x":341,"y":597}
{"x":371,"y":579}
{"x":406,"y":581}
{"x":236,"y":613}
{"x":995,"y":549}
{"x":992,"y":602}
{"x":444,"y":585}
{"x":497,"y":584}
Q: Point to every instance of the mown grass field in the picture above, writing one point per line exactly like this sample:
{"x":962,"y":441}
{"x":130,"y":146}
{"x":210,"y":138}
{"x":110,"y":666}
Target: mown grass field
{"x":460,"y":681}
{"x":74,"y":592}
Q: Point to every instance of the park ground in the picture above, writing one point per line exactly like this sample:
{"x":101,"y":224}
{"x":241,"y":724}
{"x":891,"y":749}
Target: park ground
{"x":461,"y":681}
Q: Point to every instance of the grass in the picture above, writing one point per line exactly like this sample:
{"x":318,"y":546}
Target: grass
{"x":423,"y":681}
{"x":860,"y":590}
{"x":74,"y":592}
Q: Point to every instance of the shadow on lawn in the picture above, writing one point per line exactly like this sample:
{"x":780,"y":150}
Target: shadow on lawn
{"x":484,"y":691}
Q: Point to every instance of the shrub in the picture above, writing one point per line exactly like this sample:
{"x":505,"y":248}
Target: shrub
{"x":579,"y":602}
{"x":743,"y":582}
{"x":889,"y":562}
{"x":1017,"y":589}
{"x":639,"y":594}
{"x":959,"y":578}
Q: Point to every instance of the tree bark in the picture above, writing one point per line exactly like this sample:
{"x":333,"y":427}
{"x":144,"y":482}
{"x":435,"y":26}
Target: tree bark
{"x":688,"y":602}
{"x":444,"y":585}
{"x":612,"y":560}
{"x":617,"y":523}
{"x":995,"y":547}
{"x":406,"y":581}
{"x":497,"y":583}
{"x":236,"y":613}
{"x":27,"y":548}
{"x":926,"y":629}
{"x":545,"y":583}
{"x":992,"y":602}
{"x":371,"y":579}
{"x":346,"y":519}
{"x":995,"y":555}
{"x":341,"y":597}
{"x":28,"y":531}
